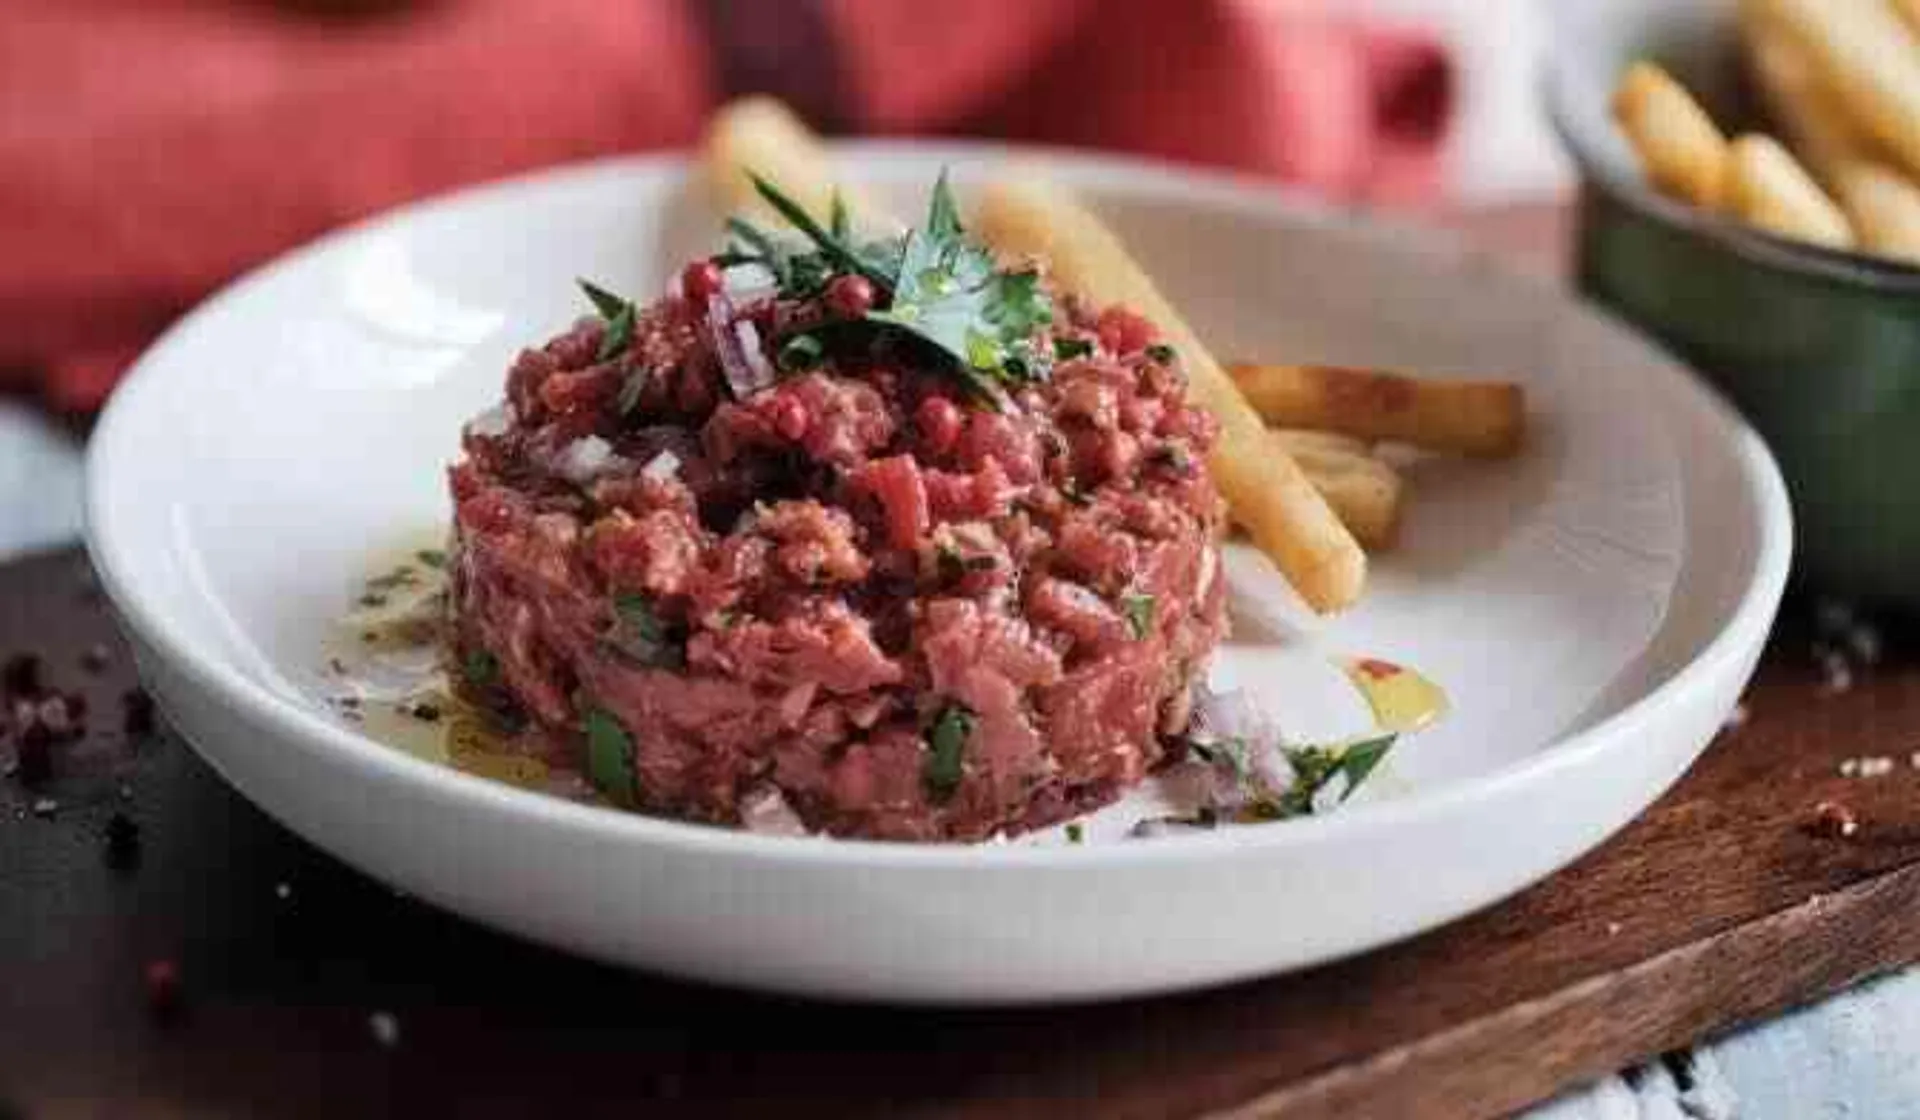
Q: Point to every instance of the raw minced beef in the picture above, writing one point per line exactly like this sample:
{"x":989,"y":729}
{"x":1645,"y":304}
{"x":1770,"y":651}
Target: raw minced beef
{"x":776,"y":595}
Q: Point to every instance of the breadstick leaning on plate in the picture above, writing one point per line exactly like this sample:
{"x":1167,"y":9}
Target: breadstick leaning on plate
{"x":1266,"y":491}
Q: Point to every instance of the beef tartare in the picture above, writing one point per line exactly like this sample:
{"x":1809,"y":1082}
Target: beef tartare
{"x":881,"y":536}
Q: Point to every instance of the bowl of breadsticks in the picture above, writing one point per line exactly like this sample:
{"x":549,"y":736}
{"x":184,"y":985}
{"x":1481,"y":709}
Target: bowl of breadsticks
{"x":1750,"y":196}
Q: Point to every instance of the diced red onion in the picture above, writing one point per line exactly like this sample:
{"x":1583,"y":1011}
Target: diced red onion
{"x":661,"y":467}
{"x":748,"y":283}
{"x":492,"y":423}
{"x":737,"y":346}
{"x":1233,"y":714}
{"x":765,"y":811}
{"x":586,"y":459}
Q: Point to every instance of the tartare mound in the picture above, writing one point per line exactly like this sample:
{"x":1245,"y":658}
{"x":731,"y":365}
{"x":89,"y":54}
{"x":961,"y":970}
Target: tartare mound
{"x":767,"y":549}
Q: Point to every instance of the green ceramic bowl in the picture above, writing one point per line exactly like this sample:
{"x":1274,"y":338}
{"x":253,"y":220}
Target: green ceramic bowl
{"x":1821,"y":350}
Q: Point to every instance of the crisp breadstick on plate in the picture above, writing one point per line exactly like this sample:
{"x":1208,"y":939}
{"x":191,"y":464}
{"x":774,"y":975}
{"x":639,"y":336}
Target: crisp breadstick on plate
{"x":1680,"y":148}
{"x":1021,"y":215}
{"x":1361,"y":488}
{"x":1471,"y":417}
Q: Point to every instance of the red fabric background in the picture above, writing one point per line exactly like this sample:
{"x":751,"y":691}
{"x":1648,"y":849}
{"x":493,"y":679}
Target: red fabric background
{"x":151,"y":149}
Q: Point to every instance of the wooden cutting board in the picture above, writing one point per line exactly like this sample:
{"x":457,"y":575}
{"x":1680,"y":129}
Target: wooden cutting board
{"x":1724,"y":902}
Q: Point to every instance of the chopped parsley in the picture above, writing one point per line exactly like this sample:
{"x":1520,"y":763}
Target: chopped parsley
{"x":619,"y":314}
{"x":947,"y":744}
{"x":1139,"y":609}
{"x":1067,"y":349}
{"x":639,"y":633}
{"x":1161,"y":352}
{"x":1173,"y":457}
{"x":482,"y":667}
{"x":1076,"y":832}
{"x":933,"y":284}
{"x":1232,"y":753}
{"x":609,"y":756}
{"x":431,"y":557}
{"x":801,"y":351}
{"x":1315,"y":767}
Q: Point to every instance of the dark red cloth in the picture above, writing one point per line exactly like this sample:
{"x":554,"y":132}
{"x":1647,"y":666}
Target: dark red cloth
{"x":151,"y":149}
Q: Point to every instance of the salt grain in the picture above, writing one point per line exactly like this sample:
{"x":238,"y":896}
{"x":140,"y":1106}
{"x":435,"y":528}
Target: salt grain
{"x":1830,"y":818}
{"x":1877,"y":767}
{"x":385,"y":1028}
{"x":1849,"y":767}
{"x":1863,"y":642}
{"x":1613,"y":929}
{"x":282,"y":891}
{"x":45,"y":807}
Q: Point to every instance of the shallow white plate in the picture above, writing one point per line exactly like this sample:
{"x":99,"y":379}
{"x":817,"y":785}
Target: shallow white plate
{"x":1593,"y":608}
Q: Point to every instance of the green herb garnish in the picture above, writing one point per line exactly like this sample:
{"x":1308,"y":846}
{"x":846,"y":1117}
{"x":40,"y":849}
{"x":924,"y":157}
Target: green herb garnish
{"x":1067,"y":349}
{"x":953,"y":295}
{"x":934,"y":284}
{"x":399,"y":577}
{"x":839,"y":222}
{"x":1161,"y":352}
{"x":801,"y":351}
{"x":431,"y":557}
{"x":1232,"y":752}
{"x":1314,"y":767}
{"x":1076,"y":832}
{"x":619,"y":314}
{"x":482,"y":667}
{"x":609,"y":756}
{"x":947,"y":744}
{"x":837,"y":249}
{"x":640,"y":634}
{"x":1139,"y":609}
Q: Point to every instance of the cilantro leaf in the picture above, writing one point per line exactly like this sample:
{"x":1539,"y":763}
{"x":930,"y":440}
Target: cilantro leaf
{"x":609,"y":756}
{"x":1314,"y":767}
{"x":1067,"y":349}
{"x":1139,"y":610}
{"x":1359,"y":759}
{"x":947,"y":744}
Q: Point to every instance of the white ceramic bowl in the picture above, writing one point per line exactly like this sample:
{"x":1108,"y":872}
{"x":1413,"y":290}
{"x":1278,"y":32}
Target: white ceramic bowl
{"x":1594,"y":608}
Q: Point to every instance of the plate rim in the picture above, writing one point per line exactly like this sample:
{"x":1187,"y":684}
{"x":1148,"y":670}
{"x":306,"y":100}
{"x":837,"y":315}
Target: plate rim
{"x":1754,"y":609}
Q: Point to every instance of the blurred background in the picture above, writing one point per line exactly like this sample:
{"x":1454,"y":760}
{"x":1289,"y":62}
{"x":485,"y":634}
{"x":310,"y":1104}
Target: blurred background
{"x":152,"y":149}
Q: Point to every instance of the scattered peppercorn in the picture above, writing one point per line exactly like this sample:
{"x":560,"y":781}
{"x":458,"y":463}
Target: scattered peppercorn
{"x":20,"y":675}
{"x":136,"y":712}
{"x":33,"y":754}
{"x":426,"y":713}
{"x":123,"y":842}
{"x":1834,"y":820}
{"x":162,"y":979}
{"x":57,"y":718}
